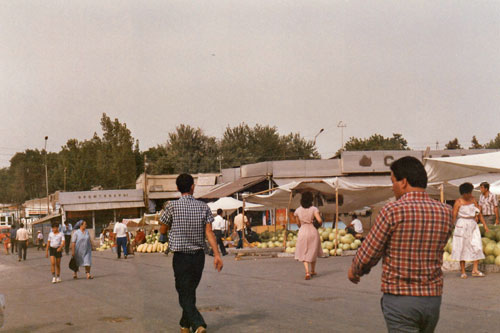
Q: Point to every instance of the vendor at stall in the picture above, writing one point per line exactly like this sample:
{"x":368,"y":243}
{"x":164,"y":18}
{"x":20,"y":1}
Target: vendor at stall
{"x":356,"y":227}
{"x":140,"y":237}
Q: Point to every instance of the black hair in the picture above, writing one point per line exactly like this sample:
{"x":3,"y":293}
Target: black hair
{"x":219,"y":211}
{"x":486,"y":185}
{"x":306,"y":199}
{"x":184,"y":182}
{"x":21,"y":225}
{"x":354,"y":216}
{"x":54,"y":224}
{"x":465,"y":188}
{"x":240,"y":210}
{"x":411,"y":169}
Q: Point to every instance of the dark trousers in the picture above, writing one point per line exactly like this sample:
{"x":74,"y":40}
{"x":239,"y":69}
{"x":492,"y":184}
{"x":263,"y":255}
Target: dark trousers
{"x":121,"y":243}
{"x":240,"y":241}
{"x":67,"y":241}
{"x":410,"y":313}
{"x":188,"y":269}
{"x":13,"y":246}
{"x":21,"y":249}
{"x":218,"y":236}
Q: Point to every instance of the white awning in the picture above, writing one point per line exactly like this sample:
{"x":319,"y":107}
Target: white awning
{"x":448,"y":168}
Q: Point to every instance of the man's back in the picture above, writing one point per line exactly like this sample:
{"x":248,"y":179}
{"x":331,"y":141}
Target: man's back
{"x":410,"y":235}
{"x":187,"y":218}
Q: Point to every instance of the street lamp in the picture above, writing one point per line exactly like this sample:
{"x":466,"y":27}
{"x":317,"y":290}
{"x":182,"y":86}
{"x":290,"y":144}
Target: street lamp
{"x":46,"y":176}
{"x":320,"y":131}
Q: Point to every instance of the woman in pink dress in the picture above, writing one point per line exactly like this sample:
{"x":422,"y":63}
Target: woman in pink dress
{"x":308,"y":246}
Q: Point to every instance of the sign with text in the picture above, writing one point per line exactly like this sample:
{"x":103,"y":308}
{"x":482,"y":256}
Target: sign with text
{"x":373,"y":161}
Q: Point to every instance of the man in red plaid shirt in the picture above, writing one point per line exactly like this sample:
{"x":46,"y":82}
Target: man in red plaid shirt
{"x":409,"y":235}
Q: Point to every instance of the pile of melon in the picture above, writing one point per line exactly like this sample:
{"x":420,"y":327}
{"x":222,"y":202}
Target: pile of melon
{"x":269,"y":239}
{"x":491,"y":246}
{"x":152,"y":248}
{"x":107,"y":245}
{"x":340,"y":238}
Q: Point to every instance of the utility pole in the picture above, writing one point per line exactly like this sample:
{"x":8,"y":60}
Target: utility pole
{"x":64,"y":179}
{"x":437,"y":144}
{"x":146,"y":199}
{"x":46,"y":176}
{"x":219,"y":158}
{"x":341,"y":125}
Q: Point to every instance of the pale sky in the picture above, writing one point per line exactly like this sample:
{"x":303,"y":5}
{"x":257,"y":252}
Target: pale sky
{"x":427,"y":69}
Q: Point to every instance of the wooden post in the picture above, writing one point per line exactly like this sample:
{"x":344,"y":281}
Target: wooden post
{"x":442,"y":192}
{"x":336,"y":215}
{"x":287,"y":219}
{"x":244,"y":225}
{"x":146,"y":199}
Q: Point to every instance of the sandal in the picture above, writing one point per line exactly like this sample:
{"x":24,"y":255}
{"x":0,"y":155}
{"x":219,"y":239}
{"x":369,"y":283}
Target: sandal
{"x":75,"y":277}
{"x":478,"y":274}
{"x":308,"y":276}
{"x":313,"y":273}
{"x":89,"y":277}
{"x":463,"y":276}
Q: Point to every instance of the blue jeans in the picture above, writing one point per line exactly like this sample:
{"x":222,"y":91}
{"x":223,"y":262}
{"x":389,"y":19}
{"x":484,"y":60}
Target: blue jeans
{"x":240,"y":242}
{"x":410,"y":313}
{"x":121,"y":243}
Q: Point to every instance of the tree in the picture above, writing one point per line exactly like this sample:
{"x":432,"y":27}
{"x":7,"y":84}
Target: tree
{"x":243,"y":144}
{"x":475,"y":144}
{"x":377,"y":142}
{"x":453,"y":144}
{"x":493,"y":144}
{"x":189,"y":150}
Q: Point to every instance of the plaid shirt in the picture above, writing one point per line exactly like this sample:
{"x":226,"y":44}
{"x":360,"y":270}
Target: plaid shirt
{"x":410,"y":235}
{"x":488,"y":204}
{"x":187,"y":218}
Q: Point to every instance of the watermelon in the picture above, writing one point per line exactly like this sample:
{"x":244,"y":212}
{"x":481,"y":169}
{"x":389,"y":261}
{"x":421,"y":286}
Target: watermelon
{"x":498,"y":236}
{"x":488,"y":249}
{"x":496,"y":249}
{"x":489,"y":260}
{"x":497,"y":261}
{"x":490,"y":234}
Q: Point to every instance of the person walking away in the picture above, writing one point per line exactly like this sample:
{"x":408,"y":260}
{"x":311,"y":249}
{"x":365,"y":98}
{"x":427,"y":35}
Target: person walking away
{"x":409,"y":235}
{"x":22,"y":242}
{"x":239,"y":225}
{"x":13,"y":233}
{"x":81,"y":248}
{"x":6,"y":243}
{"x":189,"y":222}
{"x":121,"y":232}
{"x":488,"y":204}
{"x":55,"y":245}
{"x":308,"y":246}
{"x":66,"y":229}
{"x":219,"y":227}
{"x":467,"y":244}
{"x":39,"y":239}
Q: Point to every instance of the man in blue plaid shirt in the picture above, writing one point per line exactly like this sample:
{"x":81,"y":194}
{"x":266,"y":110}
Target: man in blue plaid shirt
{"x":189,"y":221}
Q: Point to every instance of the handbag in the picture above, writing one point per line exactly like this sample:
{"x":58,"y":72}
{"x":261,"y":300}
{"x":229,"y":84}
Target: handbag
{"x":72,"y":264}
{"x":316,"y":224}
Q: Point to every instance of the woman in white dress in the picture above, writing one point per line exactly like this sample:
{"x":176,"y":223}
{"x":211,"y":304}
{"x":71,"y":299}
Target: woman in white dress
{"x":467,"y":245}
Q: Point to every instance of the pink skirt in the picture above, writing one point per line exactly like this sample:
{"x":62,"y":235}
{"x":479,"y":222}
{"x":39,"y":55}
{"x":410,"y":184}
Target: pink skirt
{"x":308,"y":246}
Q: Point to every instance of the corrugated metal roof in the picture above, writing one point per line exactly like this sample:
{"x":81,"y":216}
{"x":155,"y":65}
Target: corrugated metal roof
{"x":102,"y":206}
{"x":233,"y":187}
{"x":46,"y":218}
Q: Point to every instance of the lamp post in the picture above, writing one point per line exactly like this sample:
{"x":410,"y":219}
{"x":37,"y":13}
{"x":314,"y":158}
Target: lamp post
{"x":341,"y":125}
{"x":320,"y":131}
{"x":46,"y":176}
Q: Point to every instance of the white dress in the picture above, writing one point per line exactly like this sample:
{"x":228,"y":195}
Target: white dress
{"x":467,"y":245}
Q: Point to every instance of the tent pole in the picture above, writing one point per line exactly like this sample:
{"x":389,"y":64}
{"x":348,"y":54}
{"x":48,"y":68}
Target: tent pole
{"x":244,"y":225}
{"x":442,"y":192}
{"x":287,"y":219}
{"x":336,"y":216}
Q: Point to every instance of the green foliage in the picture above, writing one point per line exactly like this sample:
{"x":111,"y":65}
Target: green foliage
{"x":475,"y":144}
{"x":243,"y":144}
{"x":377,"y":142}
{"x":453,"y":144}
{"x":494,"y":144}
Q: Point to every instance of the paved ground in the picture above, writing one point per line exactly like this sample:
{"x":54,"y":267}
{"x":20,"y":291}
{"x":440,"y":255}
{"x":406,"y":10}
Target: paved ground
{"x":263,"y":295}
